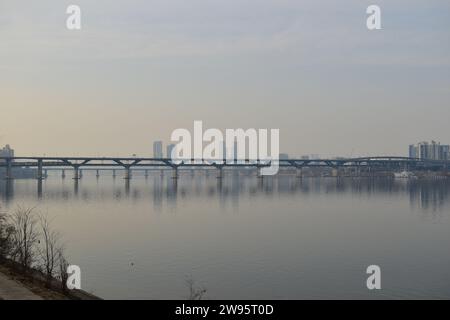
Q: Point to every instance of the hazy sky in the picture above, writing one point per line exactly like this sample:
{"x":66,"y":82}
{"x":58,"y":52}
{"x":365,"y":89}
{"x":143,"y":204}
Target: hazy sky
{"x":139,"y":69}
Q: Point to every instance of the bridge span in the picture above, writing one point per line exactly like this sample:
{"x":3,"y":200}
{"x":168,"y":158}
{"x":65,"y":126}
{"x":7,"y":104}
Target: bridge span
{"x":387,"y":163}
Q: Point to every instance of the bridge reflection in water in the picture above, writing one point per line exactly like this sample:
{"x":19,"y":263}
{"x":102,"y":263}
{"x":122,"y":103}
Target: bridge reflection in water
{"x":427,"y":194}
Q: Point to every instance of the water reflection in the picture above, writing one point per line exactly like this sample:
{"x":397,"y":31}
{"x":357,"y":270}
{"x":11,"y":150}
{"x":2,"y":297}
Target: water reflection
{"x":247,"y":237}
{"x":7,"y":190}
{"x":428,"y":195}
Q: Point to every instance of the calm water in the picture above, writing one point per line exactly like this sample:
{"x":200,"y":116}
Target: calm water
{"x":280,"y":238}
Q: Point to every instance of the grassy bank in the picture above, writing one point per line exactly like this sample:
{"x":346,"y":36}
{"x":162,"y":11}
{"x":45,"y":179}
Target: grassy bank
{"x":32,"y":253}
{"x":38,"y":283}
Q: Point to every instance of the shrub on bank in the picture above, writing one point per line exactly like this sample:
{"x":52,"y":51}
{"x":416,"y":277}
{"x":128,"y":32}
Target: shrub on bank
{"x":28,"y":241}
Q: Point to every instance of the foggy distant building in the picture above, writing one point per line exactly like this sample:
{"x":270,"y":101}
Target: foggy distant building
{"x":6,"y":152}
{"x":445,"y":152}
{"x":157,"y":149}
{"x":283,"y":156}
{"x":413,"y":151}
{"x":429,"y":150}
{"x":18,"y":172}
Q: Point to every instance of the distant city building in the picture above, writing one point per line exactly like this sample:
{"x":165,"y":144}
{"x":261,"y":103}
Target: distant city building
{"x":283,"y":156}
{"x":169,"y":150}
{"x":429,"y":150}
{"x":445,"y":152}
{"x":6,"y":152}
{"x":412,"y":152}
{"x":158,"y":149}
{"x":17,"y":172}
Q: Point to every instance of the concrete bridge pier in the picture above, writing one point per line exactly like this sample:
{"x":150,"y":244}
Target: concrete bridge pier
{"x":219,"y":185}
{"x":299,"y":173}
{"x":39,"y":175}
{"x":97,"y":174}
{"x":9,"y":189}
{"x":81,"y":173}
{"x":75,"y":187}
{"x":39,"y":188}
{"x":114,"y":173}
{"x":335,"y":172}
{"x":357,"y":171}
{"x":174,"y":173}
{"x":63,"y":173}
{"x":76,"y":173}
{"x":219,"y":173}
{"x":127,"y":173}
{"x":258,"y":173}
{"x":161,"y":172}
{"x":261,"y":183}
{"x":146,"y":173}
{"x":127,"y":187}
{"x":8,"y":173}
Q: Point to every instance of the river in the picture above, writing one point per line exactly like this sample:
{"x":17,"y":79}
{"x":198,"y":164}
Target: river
{"x":247,"y":238}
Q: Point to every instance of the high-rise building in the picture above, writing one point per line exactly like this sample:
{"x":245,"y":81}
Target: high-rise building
{"x":429,"y":150}
{"x":157,"y":149}
{"x":7,"y":152}
{"x":169,"y":150}
{"x":424,"y":150}
{"x":445,"y":152}
{"x":17,"y":172}
{"x":413,"y":151}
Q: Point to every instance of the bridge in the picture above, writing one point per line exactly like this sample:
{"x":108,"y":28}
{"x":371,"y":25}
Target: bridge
{"x":369,"y":164}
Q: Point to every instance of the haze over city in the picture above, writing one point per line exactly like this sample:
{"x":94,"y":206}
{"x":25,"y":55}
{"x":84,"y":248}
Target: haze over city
{"x":248,"y":153}
{"x":312,"y":69}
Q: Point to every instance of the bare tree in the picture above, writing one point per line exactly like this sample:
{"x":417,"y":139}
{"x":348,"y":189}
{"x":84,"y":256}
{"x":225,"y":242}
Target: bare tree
{"x":23,"y":241}
{"x":49,"y":249}
{"x":25,"y":237}
{"x":6,"y":236}
{"x":63,"y":265}
{"x":195,"y":292}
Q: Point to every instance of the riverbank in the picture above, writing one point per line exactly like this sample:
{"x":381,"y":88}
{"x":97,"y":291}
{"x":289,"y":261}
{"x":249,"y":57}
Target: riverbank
{"x":15,"y":285}
{"x":14,"y":290}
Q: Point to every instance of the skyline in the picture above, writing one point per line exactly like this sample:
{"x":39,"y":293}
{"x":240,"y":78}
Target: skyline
{"x":134,"y":74}
{"x":422,"y":150}
{"x":224,"y":157}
